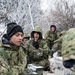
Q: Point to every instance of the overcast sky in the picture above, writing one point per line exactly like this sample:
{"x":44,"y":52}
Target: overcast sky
{"x":46,"y":4}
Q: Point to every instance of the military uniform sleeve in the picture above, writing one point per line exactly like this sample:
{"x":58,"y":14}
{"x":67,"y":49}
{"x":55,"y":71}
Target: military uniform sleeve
{"x":23,"y":61}
{"x":47,"y":37}
{"x":20,"y":67}
{"x":56,"y":36}
{"x":29,"y":47}
{"x":44,"y":49}
{"x":4,"y":67}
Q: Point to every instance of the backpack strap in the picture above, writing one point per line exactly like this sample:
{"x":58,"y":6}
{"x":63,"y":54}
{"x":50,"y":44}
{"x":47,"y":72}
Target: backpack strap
{"x":4,"y":53}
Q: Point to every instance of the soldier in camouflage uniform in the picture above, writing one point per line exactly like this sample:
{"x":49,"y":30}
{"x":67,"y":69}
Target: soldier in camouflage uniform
{"x":51,"y":36}
{"x":37,"y":48}
{"x":68,"y":49}
{"x":25,"y":37}
{"x":12,"y":54}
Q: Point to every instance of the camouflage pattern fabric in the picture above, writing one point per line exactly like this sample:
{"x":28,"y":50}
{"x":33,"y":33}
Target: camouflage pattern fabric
{"x":58,"y":43}
{"x":62,"y":33}
{"x":16,"y":61}
{"x":40,"y":55}
{"x":37,"y":50}
{"x":4,"y":67}
{"x":73,"y":70}
{"x":68,"y":45}
{"x":50,"y":38}
{"x":57,"y":46}
{"x":26,"y":35}
{"x":37,"y":29}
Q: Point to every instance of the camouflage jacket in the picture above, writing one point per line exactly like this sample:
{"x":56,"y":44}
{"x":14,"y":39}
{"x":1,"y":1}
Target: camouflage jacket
{"x":15,"y":62}
{"x":50,"y":37}
{"x":68,"y":45}
{"x":40,"y":55}
{"x":57,"y":46}
{"x":4,"y":67}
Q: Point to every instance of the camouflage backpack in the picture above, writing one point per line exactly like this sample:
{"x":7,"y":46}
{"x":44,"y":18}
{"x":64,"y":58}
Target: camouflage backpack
{"x":68,"y":45}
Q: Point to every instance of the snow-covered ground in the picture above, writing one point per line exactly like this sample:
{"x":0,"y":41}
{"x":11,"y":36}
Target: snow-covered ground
{"x":56,"y":65}
{"x":47,"y":73}
{"x":59,"y":72}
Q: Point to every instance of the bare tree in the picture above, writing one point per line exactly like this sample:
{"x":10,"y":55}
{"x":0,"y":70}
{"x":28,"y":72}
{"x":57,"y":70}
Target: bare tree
{"x":63,"y":15}
{"x":24,"y":12}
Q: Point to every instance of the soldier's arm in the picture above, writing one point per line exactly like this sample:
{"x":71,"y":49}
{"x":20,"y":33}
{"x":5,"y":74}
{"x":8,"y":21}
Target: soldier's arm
{"x":22,"y":62}
{"x":44,"y":49}
{"x":57,"y":36}
{"x":23,"y":59}
{"x":47,"y":37}
{"x":4,"y":67}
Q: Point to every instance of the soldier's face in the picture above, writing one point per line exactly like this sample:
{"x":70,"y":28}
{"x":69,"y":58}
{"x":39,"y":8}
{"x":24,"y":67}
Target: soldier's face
{"x":25,"y":40}
{"x":17,"y":38}
{"x":52,"y":29}
{"x":36,"y":36}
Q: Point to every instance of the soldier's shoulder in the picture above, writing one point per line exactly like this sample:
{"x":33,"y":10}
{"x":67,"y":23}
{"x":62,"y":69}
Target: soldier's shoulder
{"x":3,"y":53}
